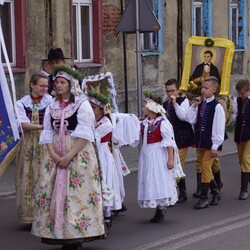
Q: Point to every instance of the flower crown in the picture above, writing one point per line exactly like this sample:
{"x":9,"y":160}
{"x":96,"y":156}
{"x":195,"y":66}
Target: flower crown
{"x":98,"y":98}
{"x":69,"y":70}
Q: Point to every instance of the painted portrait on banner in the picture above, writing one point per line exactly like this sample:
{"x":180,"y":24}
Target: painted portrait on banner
{"x":207,"y":57}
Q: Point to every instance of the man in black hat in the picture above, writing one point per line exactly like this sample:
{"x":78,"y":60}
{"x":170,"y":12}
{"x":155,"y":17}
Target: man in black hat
{"x":55,"y":59}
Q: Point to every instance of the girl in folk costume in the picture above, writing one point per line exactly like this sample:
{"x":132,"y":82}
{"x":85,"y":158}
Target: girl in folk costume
{"x":31,"y":109}
{"x":68,"y":193}
{"x":103,"y":135}
{"x":159,"y":162}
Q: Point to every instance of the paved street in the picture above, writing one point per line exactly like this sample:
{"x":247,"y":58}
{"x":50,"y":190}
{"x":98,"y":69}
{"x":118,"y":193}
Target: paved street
{"x":223,"y":227}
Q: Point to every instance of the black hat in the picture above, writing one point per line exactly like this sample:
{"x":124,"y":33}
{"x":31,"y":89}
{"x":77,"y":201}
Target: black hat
{"x":54,"y":54}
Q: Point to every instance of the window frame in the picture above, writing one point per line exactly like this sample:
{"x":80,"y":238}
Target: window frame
{"x":13,"y":42}
{"x":240,"y":6}
{"x":197,"y":5}
{"x":157,"y":6}
{"x":206,"y":17}
{"x":96,"y":59}
{"x":20,"y":56}
{"x":78,"y":4}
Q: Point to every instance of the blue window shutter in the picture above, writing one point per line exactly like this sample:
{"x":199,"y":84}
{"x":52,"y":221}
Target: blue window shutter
{"x":242,"y":25}
{"x":158,"y":10}
{"x":207,"y":16}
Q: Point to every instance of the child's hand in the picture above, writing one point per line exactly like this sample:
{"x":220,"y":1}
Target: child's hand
{"x":197,"y":101}
{"x":173,"y":99}
{"x":214,"y":153}
{"x":170,"y":164}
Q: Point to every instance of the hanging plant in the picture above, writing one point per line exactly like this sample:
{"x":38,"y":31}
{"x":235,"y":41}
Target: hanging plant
{"x":209,"y":42}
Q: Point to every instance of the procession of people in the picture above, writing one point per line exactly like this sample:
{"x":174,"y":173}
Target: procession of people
{"x":69,"y":170}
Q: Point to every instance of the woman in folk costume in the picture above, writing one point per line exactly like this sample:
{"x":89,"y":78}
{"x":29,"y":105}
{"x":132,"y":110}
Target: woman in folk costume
{"x":31,"y":109}
{"x":103,"y":136}
{"x":159,"y":162}
{"x":68,"y":193}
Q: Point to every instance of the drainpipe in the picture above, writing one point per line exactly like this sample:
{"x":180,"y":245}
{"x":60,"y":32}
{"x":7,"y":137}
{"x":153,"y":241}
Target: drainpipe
{"x":179,"y":41}
{"x":125,"y":65}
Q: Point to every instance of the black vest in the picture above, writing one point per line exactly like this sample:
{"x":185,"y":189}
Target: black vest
{"x":183,"y":132}
{"x":41,"y":113}
{"x":204,"y":125}
{"x":242,"y":125}
{"x":70,"y":123}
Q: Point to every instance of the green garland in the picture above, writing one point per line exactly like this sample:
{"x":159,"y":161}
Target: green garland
{"x":149,"y":95}
{"x":209,"y":42}
{"x":98,"y":96}
{"x":69,"y":70}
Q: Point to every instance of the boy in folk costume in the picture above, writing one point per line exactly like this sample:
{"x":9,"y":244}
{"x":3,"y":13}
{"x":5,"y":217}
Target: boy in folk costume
{"x":242,"y":135}
{"x":103,"y":135}
{"x":176,"y":108}
{"x":208,"y":118}
{"x":158,"y":161}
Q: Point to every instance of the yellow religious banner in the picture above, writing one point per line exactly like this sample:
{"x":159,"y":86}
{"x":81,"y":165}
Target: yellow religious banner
{"x":207,"y":56}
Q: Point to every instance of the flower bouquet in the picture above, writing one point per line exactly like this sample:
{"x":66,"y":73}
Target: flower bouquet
{"x":194,"y":89}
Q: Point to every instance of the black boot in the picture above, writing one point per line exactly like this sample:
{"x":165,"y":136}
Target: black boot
{"x":159,"y":215}
{"x":244,"y":183}
{"x":215,"y":192}
{"x":182,"y":189}
{"x":217,"y":179}
{"x":203,"y":200}
{"x":123,"y":209}
{"x":108,"y":222}
{"x":198,"y":191}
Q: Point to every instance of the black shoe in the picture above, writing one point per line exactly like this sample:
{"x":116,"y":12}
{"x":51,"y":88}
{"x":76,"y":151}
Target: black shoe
{"x":203,"y":200}
{"x":159,"y":216}
{"x":123,"y":209}
{"x":216,"y":193}
{"x":108,"y":222}
{"x":202,"y":203}
{"x":215,"y":200}
{"x":182,"y":197}
{"x":244,"y":184}
{"x":243,"y":195}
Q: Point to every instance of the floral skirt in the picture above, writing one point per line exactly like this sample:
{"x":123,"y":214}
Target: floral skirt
{"x":28,"y":162}
{"x":82,"y":215}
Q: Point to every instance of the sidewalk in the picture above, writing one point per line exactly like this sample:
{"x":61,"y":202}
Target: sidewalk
{"x":7,"y":181}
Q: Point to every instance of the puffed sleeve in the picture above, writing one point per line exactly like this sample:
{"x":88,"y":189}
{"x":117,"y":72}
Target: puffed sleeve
{"x":181,"y":110}
{"x":191,"y":115}
{"x":21,"y":112}
{"x":103,"y":129}
{"x":85,"y":122}
{"x":47,"y":135}
{"x":167,"y":134}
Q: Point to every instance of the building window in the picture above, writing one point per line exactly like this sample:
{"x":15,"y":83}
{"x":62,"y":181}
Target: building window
{"x":8,"y":31}
{"x":14,"y":26}
{"x":198,"y":19}
{"x":153,"y":41}
{"x":87,"y":31}
{"x":237,"y":23}
{"x":202,"y":18}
